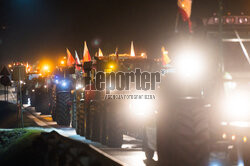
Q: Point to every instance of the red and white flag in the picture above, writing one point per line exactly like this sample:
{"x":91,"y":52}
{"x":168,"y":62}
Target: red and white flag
{"x":78,"y":62}
{"x":132,"y":51}
{"x":185,"y":8}
{"x":100,"y":52}
{"x":86,"y":55}
{"x":70,"y":59}
{"x":165,"y":58}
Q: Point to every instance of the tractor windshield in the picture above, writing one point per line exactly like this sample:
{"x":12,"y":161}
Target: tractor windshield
{"x":235,"y":58}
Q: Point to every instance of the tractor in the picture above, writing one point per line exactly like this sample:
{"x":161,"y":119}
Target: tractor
{"x":60,"y":95}
{"x":204,"y":96}
{"x":106,"y":112}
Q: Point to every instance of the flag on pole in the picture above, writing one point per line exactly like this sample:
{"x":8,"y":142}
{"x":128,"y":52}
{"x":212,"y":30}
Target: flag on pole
{"x":165,"y":58}
{"x":185,"y":7}
{"x":86,"y":55}
{"x":132,"y":52}
{"x":100,"y":52}
{"x":70,"y":59}
{"x":116,"y":54}
{"x":78,"y":62}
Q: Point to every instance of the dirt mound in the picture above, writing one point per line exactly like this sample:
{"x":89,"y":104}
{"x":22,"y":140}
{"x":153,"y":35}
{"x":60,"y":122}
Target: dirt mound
{"x":43,"y":149}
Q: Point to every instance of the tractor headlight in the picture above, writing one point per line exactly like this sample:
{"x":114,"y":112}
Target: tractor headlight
{"x":189,"y":65}
{"x":79,"y":86}
{"x":64,"y":83}
{"x":237,"y":105}
{"x":56,"y":81}
{"x":141,"y":107}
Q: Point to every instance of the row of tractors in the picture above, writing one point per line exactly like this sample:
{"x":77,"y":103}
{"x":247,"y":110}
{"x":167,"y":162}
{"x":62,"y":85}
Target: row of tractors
{"x":70,"y":97}
{"x":202,"y":103}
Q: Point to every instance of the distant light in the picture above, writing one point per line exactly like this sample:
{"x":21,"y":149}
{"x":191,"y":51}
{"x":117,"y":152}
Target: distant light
{"x":62,"y":62}
{"x":96,"y":42}
{"x":10,"y":65}
{"x":142,"y":54}
{"x":241,"y":163}
{"x":132,"y":51}
{"x":78,"y":86}
{"x":216,"y":20}
{"x":241,"y":20}
{"x":224,"y":136}
{"x":111,"y":66}
{"x":46,"y":67}
{"x":228,"y":76}
{"x":245,"y":139}
{"x":233,"y":137}
{"x":64,"y":84}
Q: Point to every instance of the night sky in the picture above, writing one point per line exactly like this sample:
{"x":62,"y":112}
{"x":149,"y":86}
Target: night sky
{"x":31,"y":29}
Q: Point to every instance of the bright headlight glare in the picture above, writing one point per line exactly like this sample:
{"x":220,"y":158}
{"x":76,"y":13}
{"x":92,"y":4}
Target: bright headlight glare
{"x":79,"y":86}
{"x":230,"y":85}
{"x":233,"y":137}
{"x":64,"y":83}
{"x":244,"y":139}
{"x":141,"y":107}
{"x":224,"y":136}
{"x":189,"y":65}
{"x":237,"y":105}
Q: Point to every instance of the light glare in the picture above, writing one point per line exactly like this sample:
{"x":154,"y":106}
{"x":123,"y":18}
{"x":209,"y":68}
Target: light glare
{"x":189,"y":64}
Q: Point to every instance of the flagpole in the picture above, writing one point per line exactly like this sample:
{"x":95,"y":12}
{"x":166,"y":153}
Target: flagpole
{"x":220,"y":35}
{"x":177,"y":22}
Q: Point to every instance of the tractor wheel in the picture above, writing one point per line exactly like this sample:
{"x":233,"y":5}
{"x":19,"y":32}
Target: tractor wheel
{"x":113,"y":128}
{"x":115,"y":136}
{"x":24,"y":99}
{"x":43,"y":105}
{"x":103,"y":131}
{"x":74,"y":122}
{"x":53,"y":111}
{"x":80,"y":118}
{"x":95,"y":121}
{"x":32,"y":100}
{"x":52,"y":99}
{"x":246,"y":151}
{"x":149,"y":153}
{"x":187,"y":136}
{"x":63,"y":109}
{"x":87,"y":120}
{"x":79,"y":114}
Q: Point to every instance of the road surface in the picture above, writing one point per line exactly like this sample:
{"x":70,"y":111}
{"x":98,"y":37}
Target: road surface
{"x":129,"y":154}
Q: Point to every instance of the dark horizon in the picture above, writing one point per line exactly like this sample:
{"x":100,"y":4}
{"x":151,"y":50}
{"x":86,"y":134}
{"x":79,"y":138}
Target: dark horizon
{"x":31,"y":29}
